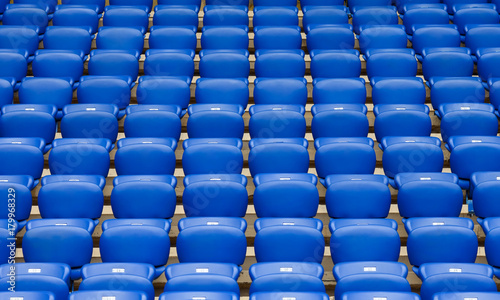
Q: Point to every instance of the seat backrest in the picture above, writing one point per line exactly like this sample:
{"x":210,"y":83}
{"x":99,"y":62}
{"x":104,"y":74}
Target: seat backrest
{"x":424,"y":16}
{"x":222,"y":91}
{"x":324,"y":16}
{"x":382,"y":37}
{"x":464,"y":159}
{"x":104,"y":90}
{"x":280,"y":65}
{"x":391,"y":64}
{"x":225,"y":16}
{"x":277,"y":121}
{"x":68,"y":65}
{"x":212,"y":156}
{"x":22,"y":185}
{"x":330,"y":38}
{"x":77,"y":16}
{"x":336,"y":64}
{"x":126,"y":16}
{"x":22,"y":156}
{"x":457,"y":90}
{"x":215,"y":121}
{"x":339,"y":120}
{"x":17,"y":37}
{"x":339,"y":91}
{"x":482,"y":37}
{"x":148,"y":120}
{"x":482,"y":188}
{"x":487,"y":66}
{"x":275,"y":16}
{"x":224,"y":65}
{"x":469,"y":16}
{"x":399,"y":91}
{"x":374,"y":16}
{"x":175,"y":16}
{"x":283,"y":37}
{"x":166,"y":37}
{"x":120,"y":38}
{"x":67,"y":38}
{"x":158,"y":91}
{"x":435,"y":36}
{"x":113,"y":64}
{"x":26,"y":16}
{"x":447,"y":64}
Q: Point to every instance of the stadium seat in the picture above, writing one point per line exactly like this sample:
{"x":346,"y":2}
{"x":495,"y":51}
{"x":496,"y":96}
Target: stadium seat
{"x":456,"y":90}
{"x":434,"y":36}
{"x":58,"y":64}
{"x":194,"y":295}
{"x":54,"y":91}
{"x":126,"y":276}
{"x":357,"y":196}
{"x":29,"y":121}
{"x":163,"y":91}
{"x":493,"y":85}
{"x":382,"y":37}
{"x":275,"y":16}
{"x":71,"y":196}
{"x":324,"y":16}
{"x":136,"y":241}
{"x":388,"y":63}
{"x":277,"y":121}
{"x":447,"y":62}
{"x":339,"y":91}
{"x":212,"y":240}
{"x":411,"y":154}
{"x":22,"y":156}
{"x":212,"y":156}
{"x":402,"y":120}
{"x":120,"y":38}
{"x":275,"y":3}
{"x":231,"y":199}
{"x":312,"y":3}
{"x":487,"y":64}
{"x":286,"y":195}
{"x":140,"y":3}
{"x":77,"y":16}
{"x":53,"y":278}
{"x":280,"y":64}
{"x":339,"y":120}
{"x":67,"y":38}
{"x":66,"y":241}
{"x":331,"y":37}
{"x":335,"y":64}
{"x":222,"y":37}
{"x":215,"y":121}
{"x":225,"y":15}
{"x":289,"y":240}
{"x":175,"y":16}
{"x":417,"y":17}
{"x":6,"y":92}
{"x":170,"y":37}
{"x":483,"y":185}
{"x":145,"y":156}
{"x":196,"y":278}
{"x":442,"y":194}
{"x":169,"y":63}
{"x":222,"y":91}
{"x":286,"y":277}
{"x":35,"y":295}
{"x":148,"y":120}
{"x":270,"y":155}
{"x":105,"y":294}
{"x":284,"y":295}
{"x":354,"y":3}
{"x":402,"y":91}
{"x":277,"y":37}
{"x":355,"y":240}
{"x":113,"y":63}
{"x":484,"y":36}
{"x":22,"y":185}
{"x":224,"y":64}
{"x":373,"y":276}
{"x":99,"y":3}
{"x":47,"y":5}
{"x":463,"y":277}
{"x":280,"y":91}
{"x":490,"y":228}
{"x":387,"y":295}
{"x":26,"y":16}
{"x":227,"y":2}
{"x":373,"y":16}
{"x":462,"y":295}
{"x":126,"y":16}
{"x":16,"y":67}
{"x":469,"y":16}
{"x":335,"y":156}
{"x":24,"y":39}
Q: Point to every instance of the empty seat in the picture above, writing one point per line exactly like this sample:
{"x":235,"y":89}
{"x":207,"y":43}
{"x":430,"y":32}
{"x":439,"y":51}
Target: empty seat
{"x":231,"y":199}
{"x":494,"y":93}
{"x":16,"y":189}
{"x":206,"y":295}
{"x":478,"y":37}
{"x":411,"y":154}
{"x":388,"y":295}
{"x":402,"y":120}
{"x":145,"y":156}
{"x":170,"y":37}
{"x":20,"y":38}
{"x":364,"y":240}
{"x":163,"y":90}
{"x":335,"y":64}
{"x":442,"y":194}
{"x":148,"y":120}
{"x":277,"y":121}
{"x":280,"y":91}
{"x":374,"y":16}
{"x":469,"y":16}
{"x":336,"y":156}
{"x":331,"y":37}
{"x":285,"y":295}
{"x":26,"y":16}
{"x":47,"y":5}
{"x":280,"y":64}
{"x":339,"y":120}
{"x":208,"y":278}
{"x":136,"y":241}
{"x":274,"y":37}
{"x":357,"y":196}
{"x":6,"y":92}
{"x":131,"y":276}
{"x":120,"y":38}
{"x":276,"y":16}
{"x":286,"y":195}
{"x":409,"y":90}
{"x":66,"y":241}
{"x":103,"y":294}
{"x":382,"y":37}
{"x":169,"y":63}
{"x":222,"y":91}
{"x":67,"y":38}
{"x":53,"y":278}
{"x":225,"y":15}
{"x":424,"y":16}
{"x":483,"y":185}
{"x":287,"y":155}
{"x":80,"y":157}
{"x":373,"y":276}
{"x":354,"y":3}
{"x":77,"y":16}
{"x":175,"y":16}
{"x":99,"y":3}
{"x":224,"y":65}
{"x":286,"y":277}
{"x":16,"y":66}
{"x":435,"y":36}
{"x":53,"y":91}
{"x":456,"y":90}
{"x":487,"y":64}
{"x":463,"y":277}
{"x":22,"y":156}
{"x":215,"y":121}
{"x":36,"y":295}
{"x":391,"y":64}
{"x":113,"y":63}
{"x":71,"y":196}
{"x":324,"y":16}
{"x":220,"y":37}
{"x":447,"y":62}
{"x":339,"y":91}
{"x":212,"y":156}
{"x":462,"y":295}
{"x":490,"y":228}
{"x":289,"y":240}
{"x":126,"y":16}
{"x":212,"y":240}
{"x":58,"y":64}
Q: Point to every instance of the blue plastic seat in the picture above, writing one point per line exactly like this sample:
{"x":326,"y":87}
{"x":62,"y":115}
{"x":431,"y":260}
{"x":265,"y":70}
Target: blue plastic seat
{"x":212,"y":240}
{"x":373,"y":276}
{"x":463,"y":277}
{"x":484,"y":36}
{"x":411,"y":154}
{"x":175,"y":16}
{"x":126,"y":16}
{"x":277,"y":121}
{"x":120,"y":38}
{"x":16,"y":66}
{"x":355,"y":240}
{"x":194,"y":295}
{"x":22,"y":156}
{"x":169,"y":64}
{"x":445,"y":240}
{"x":163,"y":91}
{"x":451,"y":3}
{"x":212,"y":156}
{"x":469,"y":16}
{"x":382,"y":37}
{"x":224,"y":64}
{"x":483,"y":186}
{"x":222,"y":91}
{"x":339,"y":91}
{"x":26,"y":16}
{"x":275,"y":3}
{"x":145,"y":156}
{"x":170,"y":37}
{"x":493,"y":85}
{"x":66,"y":241}
{"x":289,"y":240}
{"x":487,"y":65}
{"x":280,"y":64}
{"x":391,"y":64}
{"x":402,"y":120}
{"x":231,"y":200}
{"x":339,"y":120}
{"x":280,"y":91}
{"x":30,"y":121}
{"x":224,"y":37}
{"x":35,"y":295}
{"x":331,"y":37}
{"x":313,"y":3}
{"x":490,"y":228}
{"x":9,"y":228}
{"x":463,"y":295}
{"x":71,"y":196}
{"x":357,"y":196}
{"x":456,"y":90}
{"x":20,"y":38}
{"x":67,"y":38}
{"x":435,"y":36}
{"x":53,"y":278}
{"x":77,"y":16}
{"x":285,"y":295}
{"x":103,"y":294}
{"x":148,"y":120}
{"x":374,"y":16}
{"x":335,"y":64}
{"x":324,"y":16}
{"x":286,"y":277}
{"x":58,"y":64}
{"x":277,"y":37}
{"x":87,"y":157}
{"x":354,"y":3}
{"x":201,"y":278}
{"x":136,"y":241}
{"x":275,"y":16}
{"x":286,"y":195}
{"x":113,"y":63}
{"x":6,"y":92}
{"x":22,"y":185}
{"x":47,"y":5}
{"x":335,"y":156}
{"x":442,"y":194}
{"x":424,"y":16}
{"x":227,"y":2}
{"x":141,"y":3}
{"x":53,"y":91}
{"x":447,"y":62}
{"x":99,"y":3}
{"x":271,"y":155}
{"x":387,"y":295}
{"x":131,"y":276}
{"x":225,"y":15}
{"x":215,"y":121}
{"x":409,"y":90}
